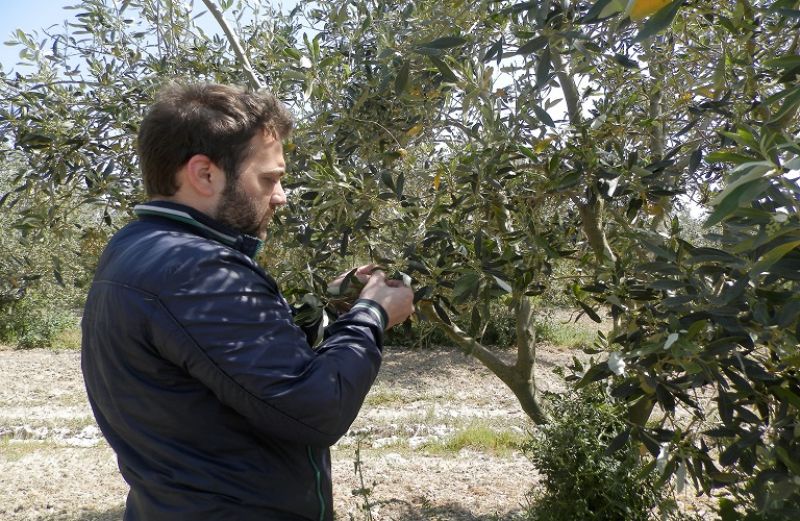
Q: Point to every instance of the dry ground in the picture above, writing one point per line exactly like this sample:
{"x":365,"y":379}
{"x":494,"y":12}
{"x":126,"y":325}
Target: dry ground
{"x":413,"y":433}
{"x":54,"y":464}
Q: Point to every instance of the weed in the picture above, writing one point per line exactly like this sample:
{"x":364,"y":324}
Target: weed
{"x":569,"y":335}
{"x":14,"y":450}
{"x":363,"y":492}
{"x":384,"y":396}
{"x":479,"y":437}
{"x":580,"y":479}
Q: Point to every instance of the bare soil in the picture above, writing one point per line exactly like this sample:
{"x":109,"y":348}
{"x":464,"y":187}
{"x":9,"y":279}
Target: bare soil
{"x":55,"y":465}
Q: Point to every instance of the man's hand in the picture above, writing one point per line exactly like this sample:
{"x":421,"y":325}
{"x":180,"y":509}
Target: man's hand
{"x":396,"y":299}
{"x":362,"y":275}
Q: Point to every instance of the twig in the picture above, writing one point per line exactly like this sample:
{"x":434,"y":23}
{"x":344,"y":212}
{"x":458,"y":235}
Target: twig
{"x":61,"y":82}
{"x":568,"y":87}
{"x":379,"y":125}
{"x":237,"y":47}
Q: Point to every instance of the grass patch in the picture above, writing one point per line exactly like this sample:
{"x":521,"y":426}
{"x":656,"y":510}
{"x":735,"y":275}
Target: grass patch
{"x":568,"y":335}
{"x":383,"y":396}
{"x":386,"y":396}
{"x":76,"y":425}
{"x":76,"y":399}
{"x":479,"y":437}
{"x":68,"y":338}
{"x":14,"y":450}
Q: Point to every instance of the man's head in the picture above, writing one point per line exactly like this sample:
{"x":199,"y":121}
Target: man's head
{"x":196,"y":142}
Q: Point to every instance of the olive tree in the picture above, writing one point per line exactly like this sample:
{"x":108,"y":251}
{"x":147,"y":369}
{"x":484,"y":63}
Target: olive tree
{"x":567,"y":134}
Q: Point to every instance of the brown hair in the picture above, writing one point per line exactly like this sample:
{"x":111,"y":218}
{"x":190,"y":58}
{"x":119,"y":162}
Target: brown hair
{"x":215,"y":120}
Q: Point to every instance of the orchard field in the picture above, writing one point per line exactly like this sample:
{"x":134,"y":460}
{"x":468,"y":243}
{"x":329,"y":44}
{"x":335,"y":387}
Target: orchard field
{"x":633,"y":163}
{"x":438,"y":440}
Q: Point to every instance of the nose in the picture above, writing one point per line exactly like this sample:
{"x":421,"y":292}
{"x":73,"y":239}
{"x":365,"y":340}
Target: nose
{"x":278,"y":196}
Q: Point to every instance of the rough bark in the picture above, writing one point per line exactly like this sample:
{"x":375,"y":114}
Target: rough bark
{"x":526,"y":395}
{"x":523,"y":382}
{"x":526,"y":341}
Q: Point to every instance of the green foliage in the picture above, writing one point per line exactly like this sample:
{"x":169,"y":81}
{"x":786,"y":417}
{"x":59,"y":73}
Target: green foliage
{"x":72,"y":116}
{"x":42,"y":275}
{"x":36,"y":321}
{"x":39,"y":307}
{"x":724,"y":317}
{"x":580,"y":478}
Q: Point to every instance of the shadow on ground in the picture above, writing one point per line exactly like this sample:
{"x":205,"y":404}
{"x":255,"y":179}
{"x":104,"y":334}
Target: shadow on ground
{"x":451,"y":511}
{"x":405,"y":512}
{"x":401,"y":511}
{"x":113,"y":514}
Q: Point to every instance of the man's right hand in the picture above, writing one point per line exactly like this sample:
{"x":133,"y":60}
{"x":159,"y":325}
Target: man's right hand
{"x":396,"y":299}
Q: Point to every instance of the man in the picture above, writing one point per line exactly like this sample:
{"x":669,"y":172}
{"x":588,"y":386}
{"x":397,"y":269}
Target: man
{"x":212,"y":398}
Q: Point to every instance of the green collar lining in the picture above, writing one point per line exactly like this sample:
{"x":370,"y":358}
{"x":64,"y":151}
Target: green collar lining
{"x":208,"y":227}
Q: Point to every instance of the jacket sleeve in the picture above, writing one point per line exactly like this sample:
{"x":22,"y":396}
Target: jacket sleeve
{"x":232,"y":330}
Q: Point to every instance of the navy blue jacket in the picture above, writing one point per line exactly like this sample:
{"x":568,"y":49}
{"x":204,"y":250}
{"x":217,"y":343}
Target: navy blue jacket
{"x":199,"y":379}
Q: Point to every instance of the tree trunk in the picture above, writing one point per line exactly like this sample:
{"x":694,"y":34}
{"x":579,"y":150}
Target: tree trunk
{"x":518,"y":377}
{"x":525,"y":392}
{"x":657,"y":128}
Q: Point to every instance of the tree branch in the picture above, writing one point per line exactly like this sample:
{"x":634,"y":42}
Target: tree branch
{"x":656,"y":106}
{"x":592,"y":218}
{"x":255,"y":83}
{"x":469,"y":345}
{"x":520,"y":384}
{"x":83,"y":83}
{"x":568,"y":87}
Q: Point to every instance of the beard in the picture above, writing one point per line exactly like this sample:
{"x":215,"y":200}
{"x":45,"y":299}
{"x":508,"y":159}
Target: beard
{"x":239,"y":211}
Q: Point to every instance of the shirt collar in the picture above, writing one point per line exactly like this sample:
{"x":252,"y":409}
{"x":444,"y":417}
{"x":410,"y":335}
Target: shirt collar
{"x":202,"y":224}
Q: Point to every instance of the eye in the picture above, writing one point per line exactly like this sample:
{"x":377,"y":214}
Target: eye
{"x":270,"y":178}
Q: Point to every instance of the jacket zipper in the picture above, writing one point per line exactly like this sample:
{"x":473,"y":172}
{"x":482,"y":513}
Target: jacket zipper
{"x":318,"y":476}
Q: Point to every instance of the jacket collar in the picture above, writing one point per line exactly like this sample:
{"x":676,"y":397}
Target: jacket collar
{"x":202,"y":224}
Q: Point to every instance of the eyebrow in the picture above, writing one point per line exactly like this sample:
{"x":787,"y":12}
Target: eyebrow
{"x":275,"y":171}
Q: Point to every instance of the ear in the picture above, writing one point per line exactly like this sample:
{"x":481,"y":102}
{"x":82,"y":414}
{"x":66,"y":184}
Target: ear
{"x":203,"y":177}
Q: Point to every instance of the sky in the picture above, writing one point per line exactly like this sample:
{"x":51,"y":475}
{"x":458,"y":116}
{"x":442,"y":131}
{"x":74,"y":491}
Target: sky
{"x":30,"y":15}
{"x":27,"y":15}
